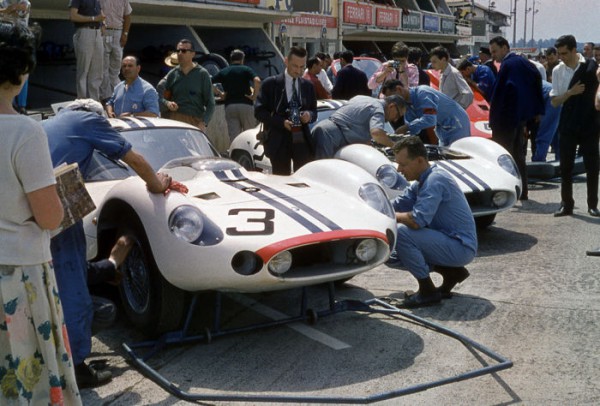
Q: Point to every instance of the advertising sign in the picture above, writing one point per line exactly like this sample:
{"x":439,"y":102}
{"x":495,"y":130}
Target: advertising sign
{"x":431,"y":23}
{"x":411,"y":21}
{"x":387,"y":18}
{"x":358,"y":13}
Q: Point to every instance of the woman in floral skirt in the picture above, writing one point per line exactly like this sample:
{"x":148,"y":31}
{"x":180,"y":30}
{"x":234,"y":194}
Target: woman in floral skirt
{"x":36,"y":367}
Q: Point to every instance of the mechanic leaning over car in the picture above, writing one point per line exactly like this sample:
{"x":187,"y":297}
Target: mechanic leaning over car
{"x":436,"y":229}
{"x":286,"y":104}
{"x":434,"y":116}
{"x":357,"y":122}
{"x":73,"y":135}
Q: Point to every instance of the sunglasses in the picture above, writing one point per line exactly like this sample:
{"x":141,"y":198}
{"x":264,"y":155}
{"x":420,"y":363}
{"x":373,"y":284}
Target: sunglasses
{"x":183,"y":51}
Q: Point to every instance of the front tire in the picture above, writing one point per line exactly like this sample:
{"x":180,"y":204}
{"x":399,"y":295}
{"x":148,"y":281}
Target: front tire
{"x":152,"y":304}
{"x":485,"y":221}
{"x":243,"y":158}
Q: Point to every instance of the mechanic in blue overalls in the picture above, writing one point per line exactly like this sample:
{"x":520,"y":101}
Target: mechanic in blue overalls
{"x":427,"y":108}
{"x":73,"y":135}
{"x":436,"y":229}
{"x":356,"y":122}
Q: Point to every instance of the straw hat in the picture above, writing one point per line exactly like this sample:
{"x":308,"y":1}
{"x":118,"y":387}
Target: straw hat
{"x":172,"y":60}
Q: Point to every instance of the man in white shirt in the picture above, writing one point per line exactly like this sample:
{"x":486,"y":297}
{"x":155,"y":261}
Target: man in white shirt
{"x":574,"y":84}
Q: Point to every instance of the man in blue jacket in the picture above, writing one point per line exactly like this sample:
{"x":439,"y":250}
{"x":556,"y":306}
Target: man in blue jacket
{"x":517,"y":98}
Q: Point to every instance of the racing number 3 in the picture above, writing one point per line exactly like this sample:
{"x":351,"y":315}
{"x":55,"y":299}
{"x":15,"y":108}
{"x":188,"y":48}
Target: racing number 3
{"x":266,"y":219}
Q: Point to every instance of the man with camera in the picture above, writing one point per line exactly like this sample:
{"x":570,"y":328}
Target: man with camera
{"x":286,"y":104}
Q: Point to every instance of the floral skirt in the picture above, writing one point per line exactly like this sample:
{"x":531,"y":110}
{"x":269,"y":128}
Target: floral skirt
{"x":36,"y":367}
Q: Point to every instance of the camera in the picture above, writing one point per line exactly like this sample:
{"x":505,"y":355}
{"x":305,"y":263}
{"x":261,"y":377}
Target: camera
{"x":294,"y":114}
{"x":395,"y":64}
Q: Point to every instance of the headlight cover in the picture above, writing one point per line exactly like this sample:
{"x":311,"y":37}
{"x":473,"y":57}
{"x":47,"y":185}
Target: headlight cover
{"x":500,"y":199}
{"x":375,"y":197}
{"x":388,"y":176}
{"x":507,"y":163}
{"x":186,"y":223}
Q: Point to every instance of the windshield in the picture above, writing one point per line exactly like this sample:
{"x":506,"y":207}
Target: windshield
{"x":369,"y":66}
{"x":157,"y":145}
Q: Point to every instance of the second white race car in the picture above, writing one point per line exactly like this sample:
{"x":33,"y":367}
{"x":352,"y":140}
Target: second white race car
{"x":485,"y":171}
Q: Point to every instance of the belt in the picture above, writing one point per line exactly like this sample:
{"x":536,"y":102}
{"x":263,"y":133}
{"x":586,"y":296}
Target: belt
{"x":91,"y":26}
{"x":113,"y":29}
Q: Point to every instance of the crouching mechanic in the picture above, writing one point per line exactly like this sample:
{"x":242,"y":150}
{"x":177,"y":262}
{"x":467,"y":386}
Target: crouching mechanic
{"x":435,"y":225}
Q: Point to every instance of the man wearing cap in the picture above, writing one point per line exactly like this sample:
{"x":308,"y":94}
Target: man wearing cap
{"x":115,"y":32}
{"x":357,"y":122}
{"x":89,"y":49}
{"x":443,"y":119}
{"x":485,"y":58}
{"x":133,"y":96}
{"x":436,"y":229}
{"x":73,"y":135}
{"x":188,"y":92}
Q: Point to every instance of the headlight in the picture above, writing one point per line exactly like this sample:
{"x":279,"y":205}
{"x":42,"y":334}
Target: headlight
{"x":366,"y":250}
{"x":280,"y":263}
{"x":375,"y":197}
{"x":186,"y":223}
{"x":507,"y":163}
{"x":388,"y":176}
{"x":500,"y":199}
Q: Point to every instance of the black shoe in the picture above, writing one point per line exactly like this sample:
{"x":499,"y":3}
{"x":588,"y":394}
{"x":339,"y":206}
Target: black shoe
{"x":421,"y":300}
{"x":593,"y":253}
{"x":594,"y":212}
{"x":88,"y":377}
{"x":452,"y":276}
{"x":563,"y":211}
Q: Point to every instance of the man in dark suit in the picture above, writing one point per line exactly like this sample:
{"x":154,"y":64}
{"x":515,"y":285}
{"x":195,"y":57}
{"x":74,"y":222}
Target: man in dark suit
{"x":517,"y":98}
{"x":350,"y":81}
{"x":286,"y":105}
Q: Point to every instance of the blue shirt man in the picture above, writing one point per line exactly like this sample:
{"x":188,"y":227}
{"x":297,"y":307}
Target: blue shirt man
{"x":435,"y":225}
{"x":73,"y":135}
{"x":427,"y":108}
{"x":481,"y":77}
{"x":133,"y":96}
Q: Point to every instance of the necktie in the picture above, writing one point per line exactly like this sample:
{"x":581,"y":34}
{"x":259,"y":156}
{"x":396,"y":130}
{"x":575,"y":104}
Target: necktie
{"x":294,"y":92}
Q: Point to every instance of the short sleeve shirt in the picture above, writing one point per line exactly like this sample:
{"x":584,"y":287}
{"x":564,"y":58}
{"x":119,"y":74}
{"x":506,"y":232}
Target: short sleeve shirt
{"x":86,"y":7}
{"x":25,"y":167}
{"x":114,"y":10}
{"x":236,"y":80}
{"x":74,"y":135}
{"x":140,"y":96}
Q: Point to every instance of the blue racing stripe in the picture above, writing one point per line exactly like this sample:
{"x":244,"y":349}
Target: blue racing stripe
{"x":313,"y":228}
{"x":476,"y":178}
{"x":146,"y":122}
{"x":131,"y":123}
{"x":315,"y":214}
{"x":453,"y":171}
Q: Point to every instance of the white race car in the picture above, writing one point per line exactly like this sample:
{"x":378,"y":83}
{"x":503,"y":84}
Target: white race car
{"x":484,"y":170}
{"x":234,"y":230}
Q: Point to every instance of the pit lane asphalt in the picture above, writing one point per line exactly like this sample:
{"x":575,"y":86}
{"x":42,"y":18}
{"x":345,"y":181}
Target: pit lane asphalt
{"x":533,"y":297}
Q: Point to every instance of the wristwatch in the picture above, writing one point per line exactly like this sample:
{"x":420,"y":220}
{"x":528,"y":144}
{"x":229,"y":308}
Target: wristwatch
{"x":125,"y":33}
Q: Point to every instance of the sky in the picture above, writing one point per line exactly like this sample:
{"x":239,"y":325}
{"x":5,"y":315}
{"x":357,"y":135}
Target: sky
{"x":554,"y":18}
